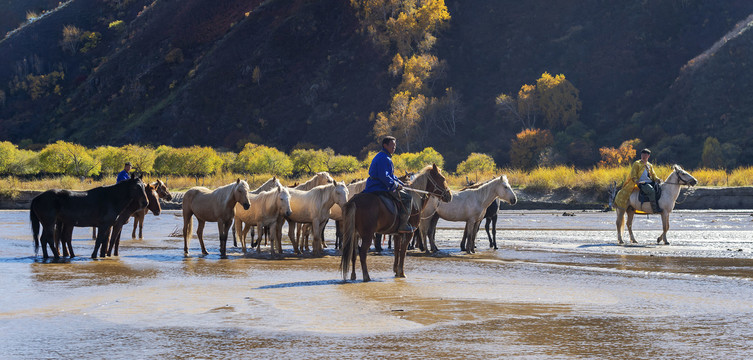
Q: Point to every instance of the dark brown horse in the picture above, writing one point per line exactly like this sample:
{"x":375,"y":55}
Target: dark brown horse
{"x":138,"y":216}
{"x":98,"y":207}
{"x":153,"y":195}
{"x":366,"y":214}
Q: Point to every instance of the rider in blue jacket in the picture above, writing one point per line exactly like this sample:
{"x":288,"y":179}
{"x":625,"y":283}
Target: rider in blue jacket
{"x":382,"y":179}
{"x":125,"y":173}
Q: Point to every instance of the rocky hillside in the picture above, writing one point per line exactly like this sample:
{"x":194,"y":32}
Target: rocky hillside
{"x":299,"y":73}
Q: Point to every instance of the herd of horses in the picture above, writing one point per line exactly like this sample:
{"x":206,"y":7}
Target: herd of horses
{"x":306,"y":208}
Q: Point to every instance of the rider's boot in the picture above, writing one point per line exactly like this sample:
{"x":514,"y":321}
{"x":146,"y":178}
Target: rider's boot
{"x":405,"y":227}
{"x":656,"y":207}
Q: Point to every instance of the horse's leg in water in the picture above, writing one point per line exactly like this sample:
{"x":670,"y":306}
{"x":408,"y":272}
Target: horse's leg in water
{"x":224,"y":228}
{"x":66,"y":237}
{"x":103,"y":234}
{"x":493,"y":238}
{"x":200,"y":235}
{"x":362,"y":252}
{"x":472,"y":235}
{"x":630,"y":216}
{"x":665,"y":227}
{"x":291,"y":234}
{"x":338,"y":235}
{"x":432,"y":232}
{"x":378,"y":238}
{"x":400,"y":251}
{"x":94,"y":233}
{"x":620,"y":224}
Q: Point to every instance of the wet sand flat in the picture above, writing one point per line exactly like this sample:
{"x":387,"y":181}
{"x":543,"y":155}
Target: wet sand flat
{"x":546,"y":293}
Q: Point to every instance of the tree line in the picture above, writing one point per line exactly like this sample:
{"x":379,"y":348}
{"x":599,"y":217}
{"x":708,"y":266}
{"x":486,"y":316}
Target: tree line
{"x":66,"y":158}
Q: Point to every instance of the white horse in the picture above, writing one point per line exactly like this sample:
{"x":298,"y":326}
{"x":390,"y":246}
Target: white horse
{"x":216,"y":206}
{"x":467,"y":205}
{"x":267,"y":208}
{"x":670,"y":191}
{"x":313,"y":207}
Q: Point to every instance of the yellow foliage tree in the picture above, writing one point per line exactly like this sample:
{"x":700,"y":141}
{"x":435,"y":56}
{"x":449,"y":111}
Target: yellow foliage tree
{"x":527,"y":147}
{"x":619,"y":156}
{"x":558,"y":100}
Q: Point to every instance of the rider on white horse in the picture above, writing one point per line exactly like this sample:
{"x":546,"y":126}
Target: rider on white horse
{"x":641,"y":174}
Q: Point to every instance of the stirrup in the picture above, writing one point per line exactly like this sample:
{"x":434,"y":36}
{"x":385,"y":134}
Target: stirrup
{"x":406,"y":229}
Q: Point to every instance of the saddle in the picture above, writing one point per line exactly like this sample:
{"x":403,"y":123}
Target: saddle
{"x":642,"y":197}
{"x":389,"y":202}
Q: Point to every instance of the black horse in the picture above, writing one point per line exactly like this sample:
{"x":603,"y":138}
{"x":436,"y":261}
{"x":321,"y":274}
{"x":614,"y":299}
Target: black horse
{"x":98,"y":207}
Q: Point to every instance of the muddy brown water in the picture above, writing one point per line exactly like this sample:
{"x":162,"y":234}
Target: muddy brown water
{"x":558,"y":287}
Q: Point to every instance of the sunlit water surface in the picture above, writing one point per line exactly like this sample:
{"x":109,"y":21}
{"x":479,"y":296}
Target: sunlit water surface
{"x":558,"y":287}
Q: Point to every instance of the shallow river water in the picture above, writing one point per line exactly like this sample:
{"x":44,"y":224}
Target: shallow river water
{"x":557,"y":287}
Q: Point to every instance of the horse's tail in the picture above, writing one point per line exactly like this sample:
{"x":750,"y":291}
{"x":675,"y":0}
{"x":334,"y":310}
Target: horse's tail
{"x":349,"y":246}
{"x":34,"y":228}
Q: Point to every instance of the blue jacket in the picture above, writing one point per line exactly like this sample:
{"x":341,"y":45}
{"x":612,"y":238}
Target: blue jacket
{"x":123,"y":175}
{"x":382,"y":174}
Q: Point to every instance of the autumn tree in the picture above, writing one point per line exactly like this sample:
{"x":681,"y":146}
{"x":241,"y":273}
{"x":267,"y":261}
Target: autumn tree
{"x":445,"y":113}
{"x":402,"y":119}
{"x":260,"y":159}
{"x":142,"y":157}
{"x":552,"y":98}
{"x":343,"y":164}
{"x":527,"y":147}
{"x":309,"y":161}
{"x":478,"y":164}
{"x":620,"y":156}
{"x":8,"y":153}
{"x":111,"y":159}
{"x":69,"y":159}
{"x":558,"y":100}
{"x":71,"y":38}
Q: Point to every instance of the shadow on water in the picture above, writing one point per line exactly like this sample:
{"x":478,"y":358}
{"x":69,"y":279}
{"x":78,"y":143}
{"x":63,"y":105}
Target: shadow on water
{"x":301,"y":284}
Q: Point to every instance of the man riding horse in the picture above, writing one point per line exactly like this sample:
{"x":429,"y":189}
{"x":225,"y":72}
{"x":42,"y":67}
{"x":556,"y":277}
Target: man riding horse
{"x":382,"y":179}
{"x":641,"y":174}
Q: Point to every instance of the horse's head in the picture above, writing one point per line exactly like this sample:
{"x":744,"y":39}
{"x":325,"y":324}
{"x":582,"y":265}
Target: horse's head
{"x":341,"y":192}
{"x":152,"y":196}
{"x":683,"y":177}
{"x":504,"y":190}
{"x":240,"y":193}
{"x":283,"y":201}
{"x":162,"y":190}
{"x":323,"y":178}
{"x":437,"y":184}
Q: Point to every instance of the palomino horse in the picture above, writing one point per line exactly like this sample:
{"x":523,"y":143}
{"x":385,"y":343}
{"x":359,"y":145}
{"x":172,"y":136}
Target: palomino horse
{"x":216,"y":206}
{"x":266,"y":210}
{"x":96,"y":207}
{"x":670,"y":190}
{"x":138,"y":216}
{"x":313,"y":206}
{"x":468,"y":205}
{"x":366,"y":214}
{"x":152,"y":195}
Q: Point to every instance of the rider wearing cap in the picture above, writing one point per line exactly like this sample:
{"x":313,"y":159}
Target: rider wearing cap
{"x":641,"y":174}
{"x":382,"y":179}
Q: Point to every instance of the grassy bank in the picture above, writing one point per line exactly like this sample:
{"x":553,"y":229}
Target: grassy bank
{"x":541,"y":179}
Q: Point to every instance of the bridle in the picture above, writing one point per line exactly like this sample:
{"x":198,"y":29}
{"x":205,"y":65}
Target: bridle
{"x":679,"y":179}
{"x":436,"y":187}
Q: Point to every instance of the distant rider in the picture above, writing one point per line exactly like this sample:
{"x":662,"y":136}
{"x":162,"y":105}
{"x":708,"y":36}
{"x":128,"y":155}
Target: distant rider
{"x":641,"y":174}
{"x":382,"y":179}
{"x":125,"y":174}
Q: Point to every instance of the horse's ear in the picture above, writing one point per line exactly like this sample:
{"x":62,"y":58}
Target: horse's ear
{"x":238,"y":181}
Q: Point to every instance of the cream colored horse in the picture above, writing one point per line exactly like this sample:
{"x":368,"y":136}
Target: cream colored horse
{"x":313,"y":207}
{"x":670,"y":191}
{"x":466,"y":205}
{"x":215,"y":206}
{"x":267,"y":208}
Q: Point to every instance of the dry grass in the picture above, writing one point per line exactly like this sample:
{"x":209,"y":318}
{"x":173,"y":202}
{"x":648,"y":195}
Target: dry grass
{"x":543,"y":178}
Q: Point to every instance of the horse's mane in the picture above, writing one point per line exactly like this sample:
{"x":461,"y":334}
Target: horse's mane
{"x":420,"y":180}
{"x":226,"y":190}
{"x":477,"y":185}
{"x":308,"y":185}
{"x":269,"y":184}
